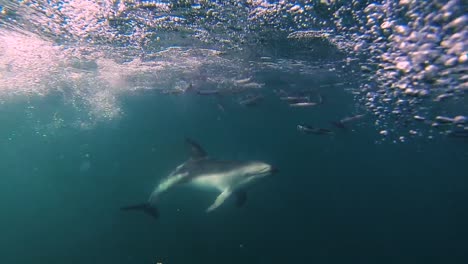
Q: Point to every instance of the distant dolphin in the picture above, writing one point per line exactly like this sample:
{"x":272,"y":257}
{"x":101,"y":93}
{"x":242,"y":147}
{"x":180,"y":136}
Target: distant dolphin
{"x":227,"y":177}
{"x":341,"y":123}
{"x":314,"y":130}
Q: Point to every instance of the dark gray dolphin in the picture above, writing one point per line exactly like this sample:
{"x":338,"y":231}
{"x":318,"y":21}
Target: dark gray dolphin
{"x":314,"y":130}
{"x":205,"y":173}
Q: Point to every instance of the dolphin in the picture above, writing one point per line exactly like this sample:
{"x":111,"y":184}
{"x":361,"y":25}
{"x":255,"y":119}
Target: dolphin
{"x":227,"y":177}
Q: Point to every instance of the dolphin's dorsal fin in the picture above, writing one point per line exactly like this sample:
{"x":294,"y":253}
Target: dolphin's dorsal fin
{"x":195,"y":150}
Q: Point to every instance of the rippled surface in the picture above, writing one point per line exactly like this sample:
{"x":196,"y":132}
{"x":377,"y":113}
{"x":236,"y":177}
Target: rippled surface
{"x":361,"y":105}
{"x":404,"y":61}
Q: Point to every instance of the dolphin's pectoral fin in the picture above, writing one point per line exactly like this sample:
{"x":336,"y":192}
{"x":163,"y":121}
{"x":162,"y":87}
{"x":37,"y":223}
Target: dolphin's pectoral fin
{"x":219,"y":200}
{"x":241,"y":197}
{"x":195,"y":150}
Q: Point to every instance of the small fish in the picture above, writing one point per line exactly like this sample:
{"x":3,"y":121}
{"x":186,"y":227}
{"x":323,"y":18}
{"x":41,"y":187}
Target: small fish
{"x":444,"y":119}
{"x":442,"y":97}
{"x":341,"y":123}
{"x":251,"y":100}
{"x":419,"y":118}
{"x":295,"y":98}
{"x":243,"y":81}
{"x":252,"y":85}
{"x":303,"y":104}
{"x":313,"y":130}
{"x":352,"y":118}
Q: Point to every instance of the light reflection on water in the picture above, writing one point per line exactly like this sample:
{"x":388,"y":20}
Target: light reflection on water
{"x":408,"y":57}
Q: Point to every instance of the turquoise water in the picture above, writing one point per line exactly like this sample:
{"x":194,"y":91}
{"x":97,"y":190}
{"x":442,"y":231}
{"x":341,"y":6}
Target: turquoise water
{"x":98,"y":97}
{"x":336,"y":199}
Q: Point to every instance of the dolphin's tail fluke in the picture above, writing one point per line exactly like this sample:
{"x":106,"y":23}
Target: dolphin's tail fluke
{"x":147,"y":208}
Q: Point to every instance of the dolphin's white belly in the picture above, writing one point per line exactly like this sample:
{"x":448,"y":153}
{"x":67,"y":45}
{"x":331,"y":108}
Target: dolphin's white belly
{"x":215,"y":181}
{"x":200,"y":171}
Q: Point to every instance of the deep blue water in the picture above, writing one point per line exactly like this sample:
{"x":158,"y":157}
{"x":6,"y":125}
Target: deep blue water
{"x":339,"y":199}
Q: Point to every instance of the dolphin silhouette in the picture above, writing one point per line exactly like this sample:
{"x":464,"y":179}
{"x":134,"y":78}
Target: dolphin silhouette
{"x":205,"y":173}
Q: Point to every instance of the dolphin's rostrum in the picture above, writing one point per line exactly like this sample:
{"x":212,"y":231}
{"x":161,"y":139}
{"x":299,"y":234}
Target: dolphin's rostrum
{"x":204,"y":172}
